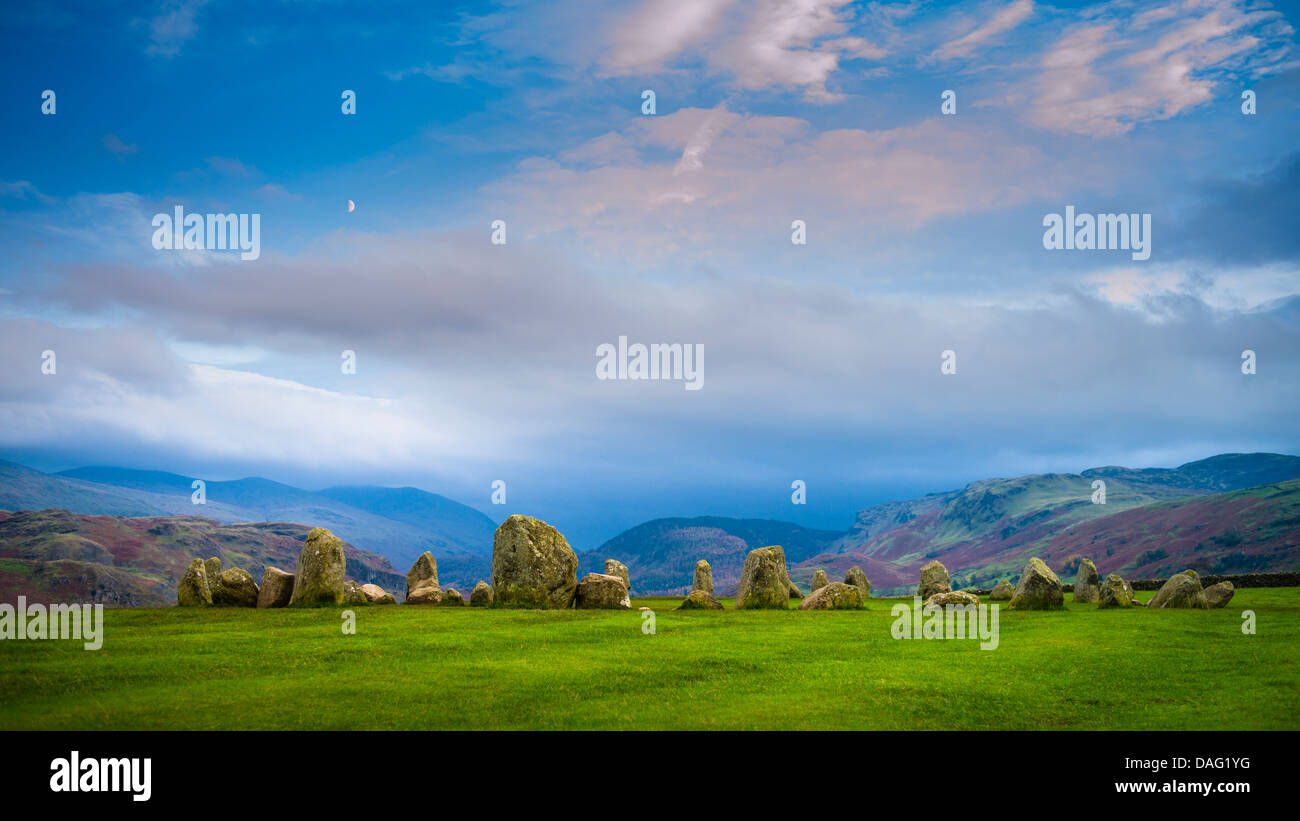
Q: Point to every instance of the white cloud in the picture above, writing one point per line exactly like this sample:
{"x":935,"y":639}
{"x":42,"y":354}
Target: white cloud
{"x":1004,"y":20}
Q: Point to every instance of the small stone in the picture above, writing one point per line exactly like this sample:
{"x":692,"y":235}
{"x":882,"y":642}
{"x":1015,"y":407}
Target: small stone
{"x":378,"y":595}
{"x":934,"y":579}
{"x":236,"y":588}
{"x":1039,"y":588}
{"x":834,"y":596}
{"x":276,"y":589}
{"x":1218,"y":595}
{"x":699,"y":600}
{"x":1002,"y":591}
{"x":481,"y":595}
{"x":858,"y":579}
{"x":819,"y":580}
{"x":703,"y":577}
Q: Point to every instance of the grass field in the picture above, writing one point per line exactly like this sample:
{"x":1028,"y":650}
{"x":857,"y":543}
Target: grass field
{"x":441,"y":668}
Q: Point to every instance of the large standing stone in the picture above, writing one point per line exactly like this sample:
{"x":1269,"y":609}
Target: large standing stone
{"x":834,"y":596}
{"x":235,"y":588}
{"x":276,"y":589}
{"x":533,"y":565}
{"x":858,"y":579}
{"x":1039,"y":588}
{"x":613,"y":567}
{"x":764,"y":581}
{"x":598,"y":591}
{"x":422,"y":581}
{"x":321,"y":570}
{"x":1218,"y":595}
{"x":1115,"y":592}
{"x":378,"y":595}
{"x":934,"y":579}
{"x":1087,"y":584}
{"x":481,"y":595}
{"x":213,"y":568}
{"x":1181,"y":590}
{"x":194,"y":590}
{"x":819,"y":580}
{"x":700,"y":600}
{"x":1002,"y":591}
{"x":703,"y":577}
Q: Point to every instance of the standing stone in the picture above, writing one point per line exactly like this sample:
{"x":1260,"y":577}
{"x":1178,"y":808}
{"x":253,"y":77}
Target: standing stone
{"x":533,"y":565}
{"x":422,"y":581}
{"x":1087,"y":587}
{"x":1115,"y":592}
{"x":834,"y":596}
{"x":1002,"y":591}
{"x":613,"y":567}
{"x":703,"y":577}
{"x":321,"y":568}
{"x":934,"y":579}
{"x":213,"y":568}
{"x":764,"y":581}
{"x":377,"y":595}
{"x":235,"y":588}
{"x":599,"y":591}
{"x":194,"y":590}
{"x":481,"y":595}
{"x":1039,"y":588}
{"x":1218,"y":595}
{"x":858,"y":579}
{"x":700,"y":600}
{"x":452,"y":597}
{"x":1181,"y":590}
{"x":276,"y":589}
{"x":819,"y":580}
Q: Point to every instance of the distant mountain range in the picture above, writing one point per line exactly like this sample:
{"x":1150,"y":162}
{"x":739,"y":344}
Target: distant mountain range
{"x":1227,"y":514}
{"x":399,"y":523}
{"x":57,"y":556}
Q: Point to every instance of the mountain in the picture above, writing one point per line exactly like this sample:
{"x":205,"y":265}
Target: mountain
{"x":661,"y":554}
{"x":399,"y":523}
{"x":988,"y":529}
{"x":57,"y":556}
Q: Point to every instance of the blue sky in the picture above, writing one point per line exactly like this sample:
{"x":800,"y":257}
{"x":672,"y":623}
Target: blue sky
{"x":476,"y":362}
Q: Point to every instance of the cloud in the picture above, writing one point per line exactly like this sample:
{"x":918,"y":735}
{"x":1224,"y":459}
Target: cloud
{"x":173,"y":27}
{"x":22,"y":189}
{"x":1005,"y":19}
{"x":115,"y":146}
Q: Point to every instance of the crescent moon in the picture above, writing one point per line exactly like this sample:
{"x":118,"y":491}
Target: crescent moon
{"x":351,"y":206}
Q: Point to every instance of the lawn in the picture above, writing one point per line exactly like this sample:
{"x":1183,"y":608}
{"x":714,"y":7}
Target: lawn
{"x":442,"y":668}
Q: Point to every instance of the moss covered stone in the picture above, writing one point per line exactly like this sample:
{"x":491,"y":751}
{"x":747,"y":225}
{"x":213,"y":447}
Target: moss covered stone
{"x":1218,"y":595}
{"x":235,"y":588}
{"x":481,"y":595}
{"x":276,"y":589}
{"x":834,"y":596}
{"x":764,"y":581}
{"x":1114,"y":592}
{"x":1002,"y":591}
{"x":194,"y":590}
{"x":1038,"y":589}
{"x":598,"y":591}
{"x":858,"y":579}
{"x":1181,"y":590}
{"x":819,"y":580}
{"x":1087,"y":583}
{"x":700,"y":600}
{"x":703,"y":579}
{"x":422,"y":581}
{"x":318,"y":579}
{"x":613,"y":567}
{"x":533,"y":565}
{"x":934,"y":579}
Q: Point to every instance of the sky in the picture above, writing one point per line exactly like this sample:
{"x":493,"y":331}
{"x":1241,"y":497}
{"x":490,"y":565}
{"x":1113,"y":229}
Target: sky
{"x":477,"y":361}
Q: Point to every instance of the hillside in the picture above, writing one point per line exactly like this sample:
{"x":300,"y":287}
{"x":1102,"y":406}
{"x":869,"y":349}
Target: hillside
{"x":399,"y":523}
{"x":57,"y":556}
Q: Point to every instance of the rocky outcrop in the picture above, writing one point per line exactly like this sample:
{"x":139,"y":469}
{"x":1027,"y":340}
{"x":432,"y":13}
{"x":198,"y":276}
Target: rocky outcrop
{"x":1039,"y":588}
{"x":613,"y":567}
{"x":764,"y":580}
{"x":834,"y":596}
{"x":700,"y":600}
{"x":422,"y":581}
{"x":377,"y":595}
{"x":958,"y":598}
{"x":1218,"y":595}
{"x":858,"y":579}
{"x":481,"y":595}
{"x":934,"y":579}
{"x":533,"y":565}
{"x":1002,"y":591}
{"x":235,"y":588}
{"x":703,"y":577}
{"x":1087,"y":584}
{"x":194,"y":589}
{"x":598,"y":591}
{"x":1114,"y":592}
{"x":1181,"y":590}
{"x":318,"y":579}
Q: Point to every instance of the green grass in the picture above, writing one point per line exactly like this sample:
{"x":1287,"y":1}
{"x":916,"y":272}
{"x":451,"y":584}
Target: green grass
{"x":442,"y":668}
